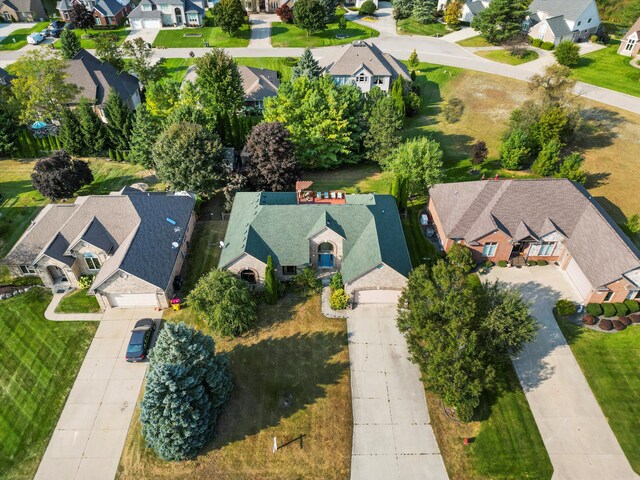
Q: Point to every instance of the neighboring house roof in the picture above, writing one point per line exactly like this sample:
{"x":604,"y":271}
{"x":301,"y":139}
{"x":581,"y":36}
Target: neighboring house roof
{"x":190,"y":7}
{"x":268,"y":223}
{"x":109,"y":8}
{"x":64,"y":5}
{"x":5,"y":77}
{"x":471,"y":210}
{"x":476,"y":7}
{"x":559,"y":26}
{"x":634,"y":29}
{"x":257,"y":83}
{"x":571,"y":9}
{"x":349,"y":59}
{"x":130,"y":226}
{"x":20,"y":5}
{"x":96,"y":79}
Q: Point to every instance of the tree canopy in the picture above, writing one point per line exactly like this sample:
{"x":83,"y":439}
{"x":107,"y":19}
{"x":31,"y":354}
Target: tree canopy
{"x":144,"y":134}
{"x":306,"y":66}
{"x":229,"y":15}
{"x":384,"y":133}
{"x":567,"y":53}
{"x":119,"y":121}
{"x":140,"y":63}
{"x":502,"y":20}
{"x":418,"y":162}
{"x":69,"y":44}
{"x":218,"y":84}
{"x":58,"y":176}
{"x":108,"y":51}
{"x":81,"y":17}
{"x":309,"y":15}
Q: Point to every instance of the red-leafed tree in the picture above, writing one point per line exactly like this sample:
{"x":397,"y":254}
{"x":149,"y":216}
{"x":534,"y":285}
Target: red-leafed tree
{"x":285,"y":12}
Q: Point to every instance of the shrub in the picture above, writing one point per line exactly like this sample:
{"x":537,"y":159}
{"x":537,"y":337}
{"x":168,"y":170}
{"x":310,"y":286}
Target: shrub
{"x":453,"y":109}
{"x":547,"y":46}
{"x":336,"y":282}
{"x":593,"y":38}
{"x":618,"y":325}
{"x":307,"y":282}
{"x":368,"y":8}
{"x":342,"y":23}
{"x":594,"y":309}
{"x":85,"y":281}
{"x":608,"y":310}
{"x":503,"y":263}
{"x":271,"y":286}
{"x":488,"y":264}
{"x":567,"y":53}
{"x":536,"y":42}
{"x":565,"y":308}
{"x":339,"y":299}
{"x":621,"y":309}
{"x":635,"y":317}
{"x":542,"y":263}
{"x":632,"y":305}
{"x":626,"y":321}
{"x":605,"y":324}
{"x":590,"y":320}
{"x":532,"y":263}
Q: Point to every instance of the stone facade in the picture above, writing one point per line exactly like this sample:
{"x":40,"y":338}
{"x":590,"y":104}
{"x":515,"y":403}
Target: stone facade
{"x":381,"y":278}
{"x":326,"y":236}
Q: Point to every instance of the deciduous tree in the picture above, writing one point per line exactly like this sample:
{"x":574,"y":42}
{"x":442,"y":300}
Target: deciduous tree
{"x":567,"y":53}
{"x":108,"y":51}
{"x":461,"y":256}
{"x":162,"y":96}
{"x":501,"y":20}
{"x":229,"y":16}
{"x":418,"y":161}
{"x":479,"y":152}
{"x":69,"y":44}
{"x":285,"y":12}
{"x":453,"y":13}
{"x":309,"y":15}
{"x":224,"y":302}
{"x":219,"y":84}
{"x":81,"y":17}
{"x":140,"y":63}
{"x":554,"y":86}
{"x":58,"y":176}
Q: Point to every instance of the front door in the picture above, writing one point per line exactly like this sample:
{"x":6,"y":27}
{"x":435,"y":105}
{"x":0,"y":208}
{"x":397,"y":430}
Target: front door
{"x":178,"y":16}
{"x":518,"y":248}
{"x":325,"y":260}
{"x":56,"y":274}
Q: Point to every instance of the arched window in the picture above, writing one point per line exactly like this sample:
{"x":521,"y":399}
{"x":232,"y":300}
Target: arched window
{"x":325,"y":247}
{"x":248,"y":276}
{"x":92,"y":261}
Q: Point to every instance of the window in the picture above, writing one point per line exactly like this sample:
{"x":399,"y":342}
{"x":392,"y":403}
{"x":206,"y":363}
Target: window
{"x":608,"y":297}
{"x":92,"y":261}
{"x":579,"y":23}
{"x":289,"y":270}
{"x":547,"y":248}
{"x":248,"y":276}
{"x":378,"y":80}
{"x":7,"y":16}
{"x":28,"y":269}
{"x":489,"y":249}
{"x":632,"y":294}
{"x":630,"y":44}
{"x":97,"y":20}
{"x":361,"y":78}
{"x":589,"y":21}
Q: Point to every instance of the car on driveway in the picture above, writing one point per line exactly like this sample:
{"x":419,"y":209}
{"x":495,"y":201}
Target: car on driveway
{"x":140,"y":339}
{"x":35,"y":38}
{"x":56,"y":25}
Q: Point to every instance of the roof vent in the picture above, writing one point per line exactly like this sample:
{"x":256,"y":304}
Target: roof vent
{"x":175,"y":245}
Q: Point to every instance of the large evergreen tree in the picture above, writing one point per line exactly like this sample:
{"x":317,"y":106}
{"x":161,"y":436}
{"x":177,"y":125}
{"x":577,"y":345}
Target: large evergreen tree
{"x":69,"y":44}
{"x":119,"y":121}
{"x":187,"y":387}
{"x":144,"y":134}
{"x":229,"y":15}
{"x":329,"y":7}
{"x":307,"y":66}
{"x":70,"y":134}
{"x":385,"y":121}
{"x":424,"y":11}
{"x":271,"y":163}
{"x":8,"y":121}
{"x":92,"y":129}
{"x":310,"y":15}
{"x":219,"y":84}
{"x":502,"y":20}
{"x":58,"y":177}
{"x":270,"y":283}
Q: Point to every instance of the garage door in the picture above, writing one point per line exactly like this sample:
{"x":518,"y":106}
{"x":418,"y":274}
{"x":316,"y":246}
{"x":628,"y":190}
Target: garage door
{"x":139,"y":24}
{"x":578,"y":278}
{"x":132,"y":300}
{"x":376,"y":296}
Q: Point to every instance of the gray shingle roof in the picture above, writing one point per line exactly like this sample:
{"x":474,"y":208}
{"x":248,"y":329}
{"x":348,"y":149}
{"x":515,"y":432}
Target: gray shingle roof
{"x":5,"y":77}
{"x":257,"y":83}
{"x":350,"y":58}
{"x":109,"y":8}
{"x":635,"y":28}
{"x":558,"y":26}
{"x":571,"y":9}
{"x":475,"y":7}
{"x":264,"y":224}
{"x":603,"y":252}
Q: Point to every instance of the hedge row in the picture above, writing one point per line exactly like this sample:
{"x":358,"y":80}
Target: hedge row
{"x":118,"y":155}
{"x":620,"y":309}
{"x":536,"y":42}
{"x":28,"y":146}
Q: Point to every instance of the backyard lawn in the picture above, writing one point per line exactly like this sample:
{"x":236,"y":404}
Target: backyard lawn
{"x":18,"y":38}
{"x":504,"y":56}
{"x":611,"y":364}
{"x":291,"y":378}
{"x":175,"y":38}
{"x":410,"y":26}
{"x":205,"y":240}
{"x":39,"y":361}
{"x":605,"y":68}
{"x":78,"y":302}
{"x":288,"y":35}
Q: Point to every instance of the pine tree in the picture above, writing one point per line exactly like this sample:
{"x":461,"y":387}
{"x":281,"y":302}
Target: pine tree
{"x":270,"y":283}
{"x":92,"y":128}
{"x":119,"y":121}
{"x":307,"y":66}
{"x":385,"y":121}
{"x":145,"y":131}
{"x":69,"y":44}
{"x":397,"y":93}
{"x":413,"y":61}
{"x":70,"y":133}
{"x":424,"y":10}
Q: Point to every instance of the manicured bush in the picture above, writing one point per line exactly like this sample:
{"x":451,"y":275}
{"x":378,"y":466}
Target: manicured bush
{"x":565,"y":308}
{"x":590,"y":320}
{"x":635,"y":317}
{"x":593,"y":38}
{"x":626,"y":321}
{"x":547,"y":46}
{"x":488,"y":264}
{"x":339,"y":300}
{"x":503,"y":263}
{"x":85,"y":281}
{"x":531,"y":263}
{"x":632,"y":305}
{"x":594,"y":309}
{"x":608,"y":310}
{"x":367,"y":8}
{"x":618,"y":325}
{"x":536,"y":42}
{"x":542,"y":263}
{"x":336,"y":282}
{"x":621,"y":309}
{"x":605,"y":325}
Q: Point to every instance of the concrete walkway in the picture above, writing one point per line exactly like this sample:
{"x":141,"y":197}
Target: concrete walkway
{"x":261,"y":30}
{"x":91,"y":431}
{"x":576,"y":434}
{"x":462,"y":34}
{"x":392,"y":434}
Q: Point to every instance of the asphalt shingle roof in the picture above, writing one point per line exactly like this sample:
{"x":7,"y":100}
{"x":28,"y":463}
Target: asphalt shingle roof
{"x":571,"y":9}
{"x":350,"y":58}
{"x":264,"y":224}
{"x":470,"y":210}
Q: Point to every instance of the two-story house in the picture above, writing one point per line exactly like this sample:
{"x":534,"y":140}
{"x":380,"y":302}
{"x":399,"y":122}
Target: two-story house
{"x":358,"y":235}
{"x":557,"y":20}
{"x":159,"y":13}
{"x":133,"y":243}
{"x":365,"y":65}
{"x":630,"y":43}
{"x":105,"y":12}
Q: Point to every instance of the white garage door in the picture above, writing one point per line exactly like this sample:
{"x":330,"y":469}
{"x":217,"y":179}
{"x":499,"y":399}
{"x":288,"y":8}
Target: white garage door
{"x":376,"y":296}
{"x":139,"y":24}
{"x":132,"y":300}
{"x":578,"y":278}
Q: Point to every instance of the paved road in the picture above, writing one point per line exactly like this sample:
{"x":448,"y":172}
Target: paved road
{"x":91,"y":431}
{"x":580,"y":442}
{"x":392,"y":434}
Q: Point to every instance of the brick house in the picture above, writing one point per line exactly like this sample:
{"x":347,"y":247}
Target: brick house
{"x":132,"y":242}
{"x":547,"y":219}
{"x":358,"y":235}
{"x":105,"y":12}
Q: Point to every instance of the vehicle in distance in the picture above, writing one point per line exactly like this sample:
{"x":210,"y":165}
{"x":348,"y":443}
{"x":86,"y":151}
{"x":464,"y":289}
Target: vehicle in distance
{"x":140,"y":339}
{"x":35,"y":38}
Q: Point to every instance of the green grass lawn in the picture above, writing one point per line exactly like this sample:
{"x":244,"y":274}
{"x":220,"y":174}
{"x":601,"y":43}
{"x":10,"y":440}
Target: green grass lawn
{"x":205,"y":241}
{"x":279,"y":64}
{"x":18,"y":38}
{"x":39,"y":361}
{"x":176,"y":68}
{"x":605,"y":68}
{"x":214,"y":35}
{"x":611,"y":364}
{"x":410,"y":26}
{"x":20,"y":202}
{"x":477,"y":41}
{"x":78,"y":302}
{"x":288,"y":35}
{"x":503,"y":56}
{"x":89,"y":43}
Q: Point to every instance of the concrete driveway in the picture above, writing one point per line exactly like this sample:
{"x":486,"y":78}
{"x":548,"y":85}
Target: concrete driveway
{"x":392,"y":434}
{"x":91,"y":431}
{"x":575,"y":432}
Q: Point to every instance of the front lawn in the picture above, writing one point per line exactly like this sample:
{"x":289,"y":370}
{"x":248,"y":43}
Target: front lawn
{"x":611,"y":364}
{"x":78,"y":302}
{"x":504,"y":56}
{"x":605,"y":68}
{"x":39,"y":361}
{"x":410,"y":26}
{"x":281,"y":65}
{"x":291,"y":378}
{"x":176,"y":68}
{"x":175,"y":38}
{"x":18,"y":38}
{"x":477,"y":41}
{"x":89,"y":43}
{"x":288,"y":35}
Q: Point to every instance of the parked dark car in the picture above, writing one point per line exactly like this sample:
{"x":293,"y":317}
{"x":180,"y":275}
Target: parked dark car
{"x":53,"y":32}
{"x":140,"y":340}
{"x":56,"y":25}
{"x":69,"y":26}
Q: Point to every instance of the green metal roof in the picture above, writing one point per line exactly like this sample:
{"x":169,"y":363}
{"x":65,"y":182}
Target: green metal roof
{"x":272,"y":223}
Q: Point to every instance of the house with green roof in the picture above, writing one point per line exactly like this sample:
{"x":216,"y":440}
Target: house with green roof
{"x":358,"y":235}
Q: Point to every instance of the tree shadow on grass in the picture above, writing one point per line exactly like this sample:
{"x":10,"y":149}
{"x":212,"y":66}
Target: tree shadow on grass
{"x":102,"y":187}
{"x":598,"y":179}
{"x":599,"y":129}
{"x":275,"y":378}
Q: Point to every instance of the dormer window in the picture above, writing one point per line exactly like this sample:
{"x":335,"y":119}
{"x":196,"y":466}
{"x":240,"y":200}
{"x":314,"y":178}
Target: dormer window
{"x":361,"y":78}
{"x":93,"y":263}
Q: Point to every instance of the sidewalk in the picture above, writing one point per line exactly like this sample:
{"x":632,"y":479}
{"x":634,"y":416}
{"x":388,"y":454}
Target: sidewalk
{"x":462,"y":34}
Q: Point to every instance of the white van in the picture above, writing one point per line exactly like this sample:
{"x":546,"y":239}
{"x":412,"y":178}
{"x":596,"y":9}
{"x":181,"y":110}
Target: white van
{"x":35,"y":38}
